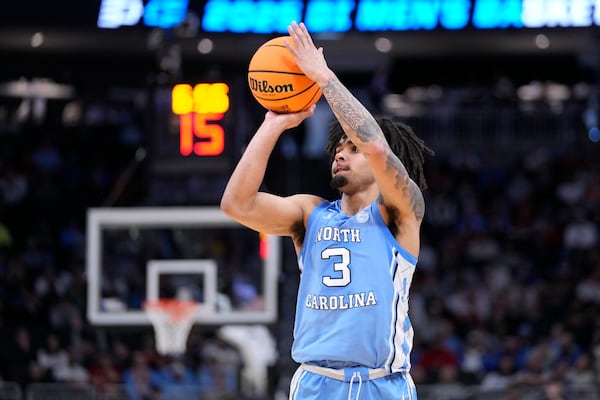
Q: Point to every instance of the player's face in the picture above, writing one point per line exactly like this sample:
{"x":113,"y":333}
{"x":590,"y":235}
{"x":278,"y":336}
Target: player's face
{"x":350,"y":170}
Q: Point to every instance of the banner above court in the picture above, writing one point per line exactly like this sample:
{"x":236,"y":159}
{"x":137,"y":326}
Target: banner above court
{"x":272,"y":16}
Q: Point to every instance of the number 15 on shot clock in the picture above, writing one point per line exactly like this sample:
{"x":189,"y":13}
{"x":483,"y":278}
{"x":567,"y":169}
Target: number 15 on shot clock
{"x":201,"y":108}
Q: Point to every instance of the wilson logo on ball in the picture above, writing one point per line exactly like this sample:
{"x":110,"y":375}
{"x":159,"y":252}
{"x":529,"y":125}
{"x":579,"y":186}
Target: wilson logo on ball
{"x":264,"y":87}
{"x":276,"y":81}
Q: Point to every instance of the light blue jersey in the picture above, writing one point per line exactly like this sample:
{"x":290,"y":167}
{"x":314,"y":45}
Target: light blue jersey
{"x":353,"y":296}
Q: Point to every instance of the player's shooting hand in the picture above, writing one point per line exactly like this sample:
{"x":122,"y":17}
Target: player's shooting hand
{"x":310,"y":59}
{"x":290,"y":120}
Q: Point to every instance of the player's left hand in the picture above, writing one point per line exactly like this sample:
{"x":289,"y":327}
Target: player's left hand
{"x":309,"y":58}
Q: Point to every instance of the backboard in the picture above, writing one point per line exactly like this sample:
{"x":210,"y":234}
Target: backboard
{"x":196,"y":253}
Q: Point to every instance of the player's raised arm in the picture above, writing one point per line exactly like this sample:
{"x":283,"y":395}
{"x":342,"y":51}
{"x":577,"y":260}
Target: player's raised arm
{"x":397,"y":190}
{"x":242,"y":200}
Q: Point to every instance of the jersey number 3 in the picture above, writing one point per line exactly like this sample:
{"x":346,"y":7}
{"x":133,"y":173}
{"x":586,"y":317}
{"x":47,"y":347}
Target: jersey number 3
{"x":341,"y":267}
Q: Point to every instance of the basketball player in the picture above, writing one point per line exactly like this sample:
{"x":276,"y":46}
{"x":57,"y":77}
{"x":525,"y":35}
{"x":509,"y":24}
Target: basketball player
{"x":357,"y":255}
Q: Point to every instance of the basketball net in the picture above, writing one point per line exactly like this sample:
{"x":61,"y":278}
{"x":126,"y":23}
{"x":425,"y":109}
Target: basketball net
{"x":172,"y":320}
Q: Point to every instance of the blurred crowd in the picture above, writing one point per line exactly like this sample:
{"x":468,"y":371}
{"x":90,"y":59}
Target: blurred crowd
{"x":507,"y":291}
{"x":48,"y":178}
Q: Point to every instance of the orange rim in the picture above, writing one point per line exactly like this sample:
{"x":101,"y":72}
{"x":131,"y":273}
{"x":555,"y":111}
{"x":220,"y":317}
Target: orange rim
{"x":178,"y":309}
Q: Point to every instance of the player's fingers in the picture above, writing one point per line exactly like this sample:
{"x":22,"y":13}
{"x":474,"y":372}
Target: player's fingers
{"x":298,"y":43}
{"x":290,"y":30}
{"x":303,"y":30}
{"x":305,"y":35}
{"x":300,"y":34}
{"x":289,"y":46}
{"x":293,"y":31}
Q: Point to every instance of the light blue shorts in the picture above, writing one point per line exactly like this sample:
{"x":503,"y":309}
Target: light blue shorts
{"x":307,"y":385}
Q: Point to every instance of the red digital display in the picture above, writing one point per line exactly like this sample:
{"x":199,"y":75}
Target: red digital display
{"x":200,"y":109}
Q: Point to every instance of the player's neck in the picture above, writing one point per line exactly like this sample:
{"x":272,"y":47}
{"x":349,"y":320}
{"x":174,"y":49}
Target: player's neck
{"x":353,"y":203}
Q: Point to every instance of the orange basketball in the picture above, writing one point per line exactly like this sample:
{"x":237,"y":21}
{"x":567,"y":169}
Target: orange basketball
{"x":276,"y":82}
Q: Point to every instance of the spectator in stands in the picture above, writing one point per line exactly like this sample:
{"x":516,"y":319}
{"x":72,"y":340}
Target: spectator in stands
{"x":438,"y":357}
{"x":142,"y":381}
{"x":104,"y":375}
{"x":581,"y":378}
{"x":534,"y":372}
{"x":500,"y":378}
{"x":73,"y":372}
{"x":217,"y":381}
{"x":554,"y":390}
{"x":179,"y":381}
{"x":587,"y":290}
{"x":581,"y":232}
{"x":218,"y":371}
{"x":472,"y":367}
{"x":19,"y":357}
{"x":52,"y":356}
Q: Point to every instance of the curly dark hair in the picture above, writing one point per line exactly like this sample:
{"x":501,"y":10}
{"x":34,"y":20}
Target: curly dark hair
{"x":403,"y":141}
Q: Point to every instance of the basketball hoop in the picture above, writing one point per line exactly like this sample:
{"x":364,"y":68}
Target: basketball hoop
{"x":172,"y":320}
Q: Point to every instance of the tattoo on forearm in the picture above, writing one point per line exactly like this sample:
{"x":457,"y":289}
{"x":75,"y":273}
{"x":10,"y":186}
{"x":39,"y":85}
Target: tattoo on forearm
{"x":407,"y":187}
{"x":402,"y":178}
{"x":417,"y":202}
{"x":352,"y":113}
{"x":349,"y":109}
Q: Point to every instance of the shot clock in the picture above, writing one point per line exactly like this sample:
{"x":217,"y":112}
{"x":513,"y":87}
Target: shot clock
{"x":193,"y":128}
{"x":200,"y":108}
{"x":195,"y":141}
